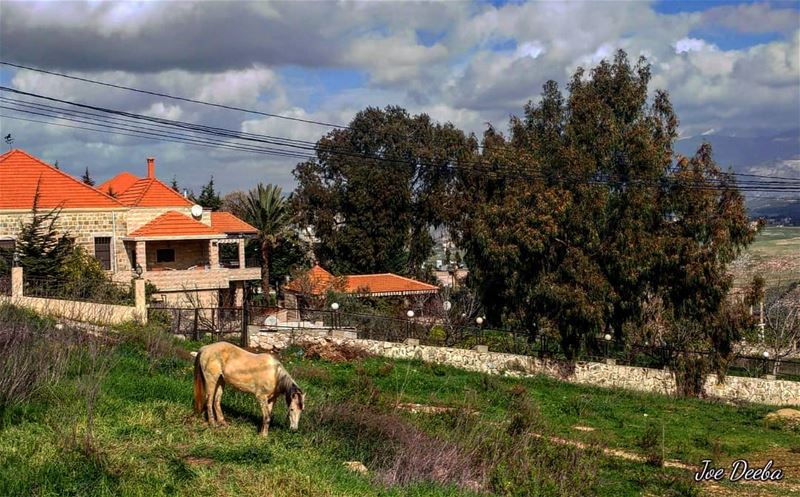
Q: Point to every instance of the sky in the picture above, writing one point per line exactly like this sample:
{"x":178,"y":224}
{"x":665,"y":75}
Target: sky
{"x":731,"y":68}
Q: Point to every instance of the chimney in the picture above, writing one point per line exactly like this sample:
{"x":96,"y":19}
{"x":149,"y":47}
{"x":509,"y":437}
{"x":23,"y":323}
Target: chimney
{"x":151,"y":167}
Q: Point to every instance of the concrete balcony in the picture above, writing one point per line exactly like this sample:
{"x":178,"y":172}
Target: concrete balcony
{"x":200,"y":278}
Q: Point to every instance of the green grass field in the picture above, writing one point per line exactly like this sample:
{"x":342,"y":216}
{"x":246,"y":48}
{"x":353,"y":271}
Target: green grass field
{"x":147,"y":441}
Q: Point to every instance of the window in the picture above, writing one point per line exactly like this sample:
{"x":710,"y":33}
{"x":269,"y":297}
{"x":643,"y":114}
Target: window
{"x":165,"y":255}
{"x":102,"y":251}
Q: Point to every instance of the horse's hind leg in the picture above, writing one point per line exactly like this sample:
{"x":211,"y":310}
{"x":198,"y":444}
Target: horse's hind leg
{"x":218,"y":402}
{"x":211,"y":385}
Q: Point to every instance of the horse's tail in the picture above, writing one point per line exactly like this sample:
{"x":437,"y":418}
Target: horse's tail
{"x":199,"y":386}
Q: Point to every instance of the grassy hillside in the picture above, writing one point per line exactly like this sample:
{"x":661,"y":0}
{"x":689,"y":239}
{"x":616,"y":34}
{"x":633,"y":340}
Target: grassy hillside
{"x":145,"y":440}
{"x":775,"y":255}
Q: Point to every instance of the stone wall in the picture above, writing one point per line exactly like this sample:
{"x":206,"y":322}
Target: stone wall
{"x":83,"y":226}
{"x":774,"y":392}
{"x":87,"y":312}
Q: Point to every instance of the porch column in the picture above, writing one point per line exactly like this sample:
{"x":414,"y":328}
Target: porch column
{"x":240,"y":243}
{"x":238,"y":295}
{"x":213,"y":254}
{"x":141,"y":255}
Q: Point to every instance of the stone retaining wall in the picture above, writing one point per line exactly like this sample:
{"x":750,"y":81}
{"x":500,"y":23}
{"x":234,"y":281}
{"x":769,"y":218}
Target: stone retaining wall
{"x":773,"y":392}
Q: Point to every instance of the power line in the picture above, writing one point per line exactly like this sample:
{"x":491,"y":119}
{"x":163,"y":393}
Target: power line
{"x":251,"y":111}
{"x":159,"y":123}
{"x":173,"y":97}
{"x":184,"y":139}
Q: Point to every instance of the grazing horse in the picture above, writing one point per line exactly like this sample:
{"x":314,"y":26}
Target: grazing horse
{"x":223,"y":363}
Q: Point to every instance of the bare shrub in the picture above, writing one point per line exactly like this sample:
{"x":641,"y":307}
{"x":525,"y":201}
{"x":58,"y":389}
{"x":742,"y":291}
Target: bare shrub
{"x":93,"y":362}
{"x":652,"y":444}
{"x":396,"y":451}
{"x":471,"y":454}
{"x":34,"y":353}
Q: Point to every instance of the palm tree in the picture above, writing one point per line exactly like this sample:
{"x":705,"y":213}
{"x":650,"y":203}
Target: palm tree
{"x":267,"y":210}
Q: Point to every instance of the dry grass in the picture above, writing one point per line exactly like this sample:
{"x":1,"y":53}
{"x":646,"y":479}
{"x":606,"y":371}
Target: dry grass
{"x":397,"y":452}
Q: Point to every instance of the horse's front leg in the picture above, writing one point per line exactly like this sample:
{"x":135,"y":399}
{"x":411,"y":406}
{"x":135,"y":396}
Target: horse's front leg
{"x":218,"y":403}
{"x":266,"y":414}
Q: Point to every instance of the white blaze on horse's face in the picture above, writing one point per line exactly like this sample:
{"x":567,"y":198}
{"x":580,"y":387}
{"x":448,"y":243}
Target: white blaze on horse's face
{"x":295,"y":408}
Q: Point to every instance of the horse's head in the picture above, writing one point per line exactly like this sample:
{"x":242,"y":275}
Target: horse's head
{"x":295,"y":401}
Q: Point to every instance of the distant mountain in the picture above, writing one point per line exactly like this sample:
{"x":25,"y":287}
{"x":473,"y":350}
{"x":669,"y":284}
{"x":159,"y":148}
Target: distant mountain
{"x":773,"y":155}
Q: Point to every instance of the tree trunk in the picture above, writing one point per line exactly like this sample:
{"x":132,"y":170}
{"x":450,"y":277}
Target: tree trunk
{"x":265,"y":253}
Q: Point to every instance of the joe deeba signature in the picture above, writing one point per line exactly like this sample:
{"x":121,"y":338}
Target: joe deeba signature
{"x":740,"y":470}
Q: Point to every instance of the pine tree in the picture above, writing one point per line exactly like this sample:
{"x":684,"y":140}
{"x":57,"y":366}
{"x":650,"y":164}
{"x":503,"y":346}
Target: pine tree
{"x":174,"y":184}
{"x":208,"y":197}
{"x":42,"y":251}
{"x":86,"y":178}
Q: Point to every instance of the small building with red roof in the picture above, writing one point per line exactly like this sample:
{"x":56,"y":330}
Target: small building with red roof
{"x":133,"y":224}
{"x":317,"y":282}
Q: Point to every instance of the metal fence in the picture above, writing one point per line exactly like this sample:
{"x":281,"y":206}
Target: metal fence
{"x":197,"y":323}
{"x":5,"y":285}
{"x":97,"y":291}
{"x":219,"y":322}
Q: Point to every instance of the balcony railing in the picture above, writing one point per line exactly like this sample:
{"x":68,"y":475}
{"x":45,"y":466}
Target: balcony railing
{"x":231,"y":263}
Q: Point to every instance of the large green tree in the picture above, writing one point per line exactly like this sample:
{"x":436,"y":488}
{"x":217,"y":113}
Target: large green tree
{"x":375,"y":188}
{"x":582,"y":217}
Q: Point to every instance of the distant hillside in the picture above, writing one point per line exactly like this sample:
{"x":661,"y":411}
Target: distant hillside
{"x":774,"y":155}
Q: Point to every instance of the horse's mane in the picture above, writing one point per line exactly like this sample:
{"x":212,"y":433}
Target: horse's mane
{"x":287,"y":386}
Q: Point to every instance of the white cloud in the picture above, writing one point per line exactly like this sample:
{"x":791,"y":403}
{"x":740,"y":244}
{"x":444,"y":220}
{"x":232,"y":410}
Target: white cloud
{"x":692,"y":45}
{"x":460,"y":75}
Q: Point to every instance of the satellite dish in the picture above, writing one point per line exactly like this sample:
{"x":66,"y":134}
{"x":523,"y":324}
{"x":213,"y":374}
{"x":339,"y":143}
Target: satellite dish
{"x":197,"y":211}
{"x":271,"y":321}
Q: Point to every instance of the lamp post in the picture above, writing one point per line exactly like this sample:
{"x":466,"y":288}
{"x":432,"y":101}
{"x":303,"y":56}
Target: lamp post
{"x":138,"y":270}
{"x":410,"y":315}
{"x":766,"y":363}
{"x":335,"y":309}
{"x":607,"y":338}
{"x":479,"y":322}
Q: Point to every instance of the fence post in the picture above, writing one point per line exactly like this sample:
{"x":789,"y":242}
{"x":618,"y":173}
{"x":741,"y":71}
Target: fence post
{"x":140,"y":300}
{"x":195,"y":334}
{"x":16,"y":282}
{"x":245,"y":319}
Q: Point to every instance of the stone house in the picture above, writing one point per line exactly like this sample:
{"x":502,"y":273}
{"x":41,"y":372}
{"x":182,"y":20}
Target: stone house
{"x":193,"y":256}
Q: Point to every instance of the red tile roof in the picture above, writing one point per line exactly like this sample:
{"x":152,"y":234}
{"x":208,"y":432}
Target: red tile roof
{"x":21,"y":172}
{"x":386,"y":283}
{"x":320,"y":281}
{"x":118,"y":183}
{"x":151,"y":192}
{"x":225,"y":222}
{"x":316,"y":281}
{"x":173,"y":224}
